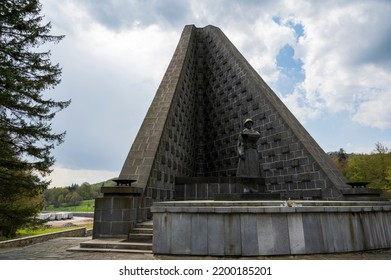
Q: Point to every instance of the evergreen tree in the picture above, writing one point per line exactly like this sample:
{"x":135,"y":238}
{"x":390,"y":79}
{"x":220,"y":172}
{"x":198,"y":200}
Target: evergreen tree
{"x":26,"y":137}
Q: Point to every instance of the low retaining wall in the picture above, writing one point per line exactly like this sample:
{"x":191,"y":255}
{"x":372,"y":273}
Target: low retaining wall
{"x":84,"y":214}
{"x":30,"y":240}
{"x":267,"y":228}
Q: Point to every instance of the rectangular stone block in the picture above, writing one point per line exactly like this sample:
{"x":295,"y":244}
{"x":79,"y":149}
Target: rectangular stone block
{"x":102,"y":203}
{"x":266,"y":241}
{"x":281,"y":232}
{"x":296,"y":233}
{"x":202,"y":191}
{"x":199,"y":236}
{"x":181,"y":233}
{"x":161,"y":233}
{"x":249,"y":237}
{"x":216,"y":235}
{"x":120,"y":229}
{"x":232,"y":235}
{"x":313,"y":234}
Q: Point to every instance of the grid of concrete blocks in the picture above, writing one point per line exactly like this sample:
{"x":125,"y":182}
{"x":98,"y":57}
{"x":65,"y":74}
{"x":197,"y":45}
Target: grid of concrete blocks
{"x":192,"y":125}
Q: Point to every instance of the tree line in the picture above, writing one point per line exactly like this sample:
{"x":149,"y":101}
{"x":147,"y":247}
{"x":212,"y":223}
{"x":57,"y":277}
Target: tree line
{"x":72,"y":195}
{"x":374,"y":168}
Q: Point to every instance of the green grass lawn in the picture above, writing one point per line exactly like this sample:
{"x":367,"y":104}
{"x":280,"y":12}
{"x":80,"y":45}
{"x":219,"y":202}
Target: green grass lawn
{"x":85,"y":206}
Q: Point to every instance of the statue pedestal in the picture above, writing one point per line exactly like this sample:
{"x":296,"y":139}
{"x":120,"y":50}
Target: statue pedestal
{"x":221,"y":188}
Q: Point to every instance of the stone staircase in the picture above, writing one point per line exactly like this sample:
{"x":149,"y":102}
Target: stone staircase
{"x":139,"y":241}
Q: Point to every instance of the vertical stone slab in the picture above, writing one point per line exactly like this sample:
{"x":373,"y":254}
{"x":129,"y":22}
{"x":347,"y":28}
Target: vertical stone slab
{"x":249,"y":235}
{"x":387,"y":224}
{"x":345,"y":231}
{"x":232,"y":235}
{"x":329,"y":231}
{"x":161,"y":233}
{"x":357,"y":232}
{"x":379,"y":230}
{"x":266,"y":241}
{"x":296,"y":233}
{"x":216,"y":242}
{"x":313,"y":235}
{"x":181,"y":233}
{"x":367,"y":231}
{"x":199,"y":236}
{"x":281,"y":234}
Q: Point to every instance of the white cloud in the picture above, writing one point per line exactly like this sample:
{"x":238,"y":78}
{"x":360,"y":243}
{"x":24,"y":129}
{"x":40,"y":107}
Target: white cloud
{"x":62,"y":176}
{"x":375,"y":112}
{"x":115,"y":54}
{"x":336,"y":42}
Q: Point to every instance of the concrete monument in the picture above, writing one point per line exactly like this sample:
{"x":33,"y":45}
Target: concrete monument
{"x":187,"y":150}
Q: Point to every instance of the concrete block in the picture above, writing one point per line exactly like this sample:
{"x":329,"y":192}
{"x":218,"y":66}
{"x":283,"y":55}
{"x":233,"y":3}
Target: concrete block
{"x":216,"y":235}
{"x":378,"y":227}
{"x":387,"y":227}
{"x":367,"y":231}
{"x":313,"y":235}
{"x":106,"y":216}
{"x":105,"y":228}
{"x":202,"y":191}
{"x":249,"y":236}
{"x":199,"y":234}
{"x":120,"y":228}
{"x":123,"y":202}
{"x":181,"y":234}
{"x":103,"y":203}
{"x":161,"y":233}
{"x":345,"y":231}
{"x":281,"y":234}
{"x":331,"y":236}
{"x":357,"y":236}
{"x":116,"y":215}
{"x":266,"y":241}
{"x":213,"y":189}
{"x":296,"y":233}
{"x":232,"y":235}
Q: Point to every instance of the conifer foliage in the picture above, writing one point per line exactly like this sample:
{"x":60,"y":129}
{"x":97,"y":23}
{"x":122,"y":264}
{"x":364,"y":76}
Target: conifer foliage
{"x":26,"y":136}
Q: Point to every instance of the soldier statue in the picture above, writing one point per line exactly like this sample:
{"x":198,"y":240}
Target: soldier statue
{"x":248,"y":166}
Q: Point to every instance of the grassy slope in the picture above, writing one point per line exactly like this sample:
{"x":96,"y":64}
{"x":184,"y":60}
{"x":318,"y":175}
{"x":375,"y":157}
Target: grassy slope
{"x":85,"y":206}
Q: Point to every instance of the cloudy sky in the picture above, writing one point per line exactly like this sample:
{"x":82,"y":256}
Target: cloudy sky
{"x":329,"y":61}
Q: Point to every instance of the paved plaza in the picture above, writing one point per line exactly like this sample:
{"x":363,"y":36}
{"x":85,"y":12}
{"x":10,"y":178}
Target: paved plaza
{"x":56,"y":249}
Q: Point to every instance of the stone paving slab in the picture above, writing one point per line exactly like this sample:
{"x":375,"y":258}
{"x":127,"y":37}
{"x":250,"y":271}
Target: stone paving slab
{"x":56,"y":249}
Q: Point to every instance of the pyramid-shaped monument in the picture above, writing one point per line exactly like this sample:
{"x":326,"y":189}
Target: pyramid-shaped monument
{"x":191,"y":129}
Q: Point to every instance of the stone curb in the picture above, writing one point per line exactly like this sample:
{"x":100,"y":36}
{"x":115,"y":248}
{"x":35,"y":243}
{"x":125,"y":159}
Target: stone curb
{"x":30,"y":240}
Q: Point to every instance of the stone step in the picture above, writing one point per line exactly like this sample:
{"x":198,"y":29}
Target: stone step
{"x":147,"y":224}
{"x":142,"y":230}
{"x":111,"y":250}
{"x":138,"y":242}
{"x":140,"y":237}
{"x":115,"y":244}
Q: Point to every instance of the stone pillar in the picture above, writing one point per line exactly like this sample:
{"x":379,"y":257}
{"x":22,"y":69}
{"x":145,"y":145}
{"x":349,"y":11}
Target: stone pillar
{"x":117,"y":212}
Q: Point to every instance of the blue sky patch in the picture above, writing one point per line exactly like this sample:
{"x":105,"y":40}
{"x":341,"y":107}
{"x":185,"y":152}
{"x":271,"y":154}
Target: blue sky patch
{"x":291,"y":70}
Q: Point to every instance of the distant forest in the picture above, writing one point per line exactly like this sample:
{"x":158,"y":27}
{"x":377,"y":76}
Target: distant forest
{"x":374,"y":168}
{"x":74,"y":194}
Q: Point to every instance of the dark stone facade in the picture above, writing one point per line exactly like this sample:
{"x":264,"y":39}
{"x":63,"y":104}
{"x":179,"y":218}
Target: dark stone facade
{"x":192,"y":126}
